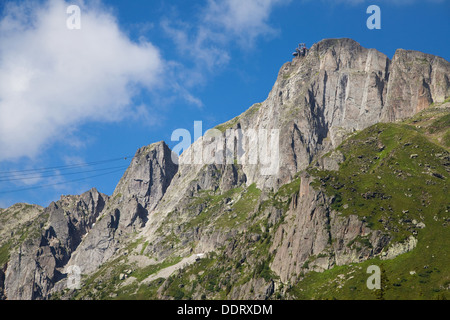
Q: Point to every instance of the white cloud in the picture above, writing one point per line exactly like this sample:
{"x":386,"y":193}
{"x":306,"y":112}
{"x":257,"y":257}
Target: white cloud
{"x":201,"y":44}
{"x":245,"y":20}
{"x":220,"y":24}
{"x":53,"y":79}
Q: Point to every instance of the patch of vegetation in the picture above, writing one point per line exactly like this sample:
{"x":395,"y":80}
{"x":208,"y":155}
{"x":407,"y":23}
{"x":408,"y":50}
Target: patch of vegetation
{"x":248,"y":113}
{"x":209,"y":204}
{"x":4,"y":253}
{"x":360,"y":241}
{"x":105,"y":283}
{"x":382,"y":179}
{"x":286,"y":76}
{"x":282,"y":198}
{"x":446,"y":139}
{"x":228,"y":125}
{"x":252,"y":110}
{"x":203,"y":276}
{"x":239,"y":211}
{"x":263,"y":270}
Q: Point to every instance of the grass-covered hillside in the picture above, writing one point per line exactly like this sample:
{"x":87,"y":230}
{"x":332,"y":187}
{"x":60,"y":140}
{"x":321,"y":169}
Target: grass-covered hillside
{"x":396,"y":177}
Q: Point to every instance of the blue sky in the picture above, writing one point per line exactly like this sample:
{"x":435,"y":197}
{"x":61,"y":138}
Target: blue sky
{"x":138,"y":70}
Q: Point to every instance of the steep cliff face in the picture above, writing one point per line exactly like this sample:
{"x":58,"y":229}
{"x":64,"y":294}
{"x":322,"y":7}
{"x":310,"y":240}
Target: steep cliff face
{"x":129,"y":209}
{"x":315,"y":237}
{"x":339,"y":87}
{"x":15,"y":221}
{"x":148,"y":176}
{"x":416,"y":80}
{"x":316,"y":101}
{"x":15,"y":218}
{"x":256,"y":230}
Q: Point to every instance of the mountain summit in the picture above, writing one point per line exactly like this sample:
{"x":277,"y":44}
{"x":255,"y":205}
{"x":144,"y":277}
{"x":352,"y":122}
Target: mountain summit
{"x":362,"y":157}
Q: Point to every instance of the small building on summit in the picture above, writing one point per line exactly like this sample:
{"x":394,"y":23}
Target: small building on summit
{"x":301,"y":51}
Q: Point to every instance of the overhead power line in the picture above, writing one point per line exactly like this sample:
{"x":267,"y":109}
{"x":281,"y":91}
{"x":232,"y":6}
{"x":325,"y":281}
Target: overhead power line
{"x":65,"y":167}
{"x":58,"y":174}
{"x":61,"y":171}
{"x":59,"y":183}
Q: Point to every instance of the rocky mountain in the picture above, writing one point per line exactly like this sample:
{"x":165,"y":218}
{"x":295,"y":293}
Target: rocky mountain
{"x":345,"y":164}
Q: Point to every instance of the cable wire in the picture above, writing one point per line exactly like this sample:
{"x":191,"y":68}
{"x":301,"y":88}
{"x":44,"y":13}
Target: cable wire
{"x":59,"y":174}
{"x":59,"y":183}
{"x":56,"y":171}
{"x":66,"y":167}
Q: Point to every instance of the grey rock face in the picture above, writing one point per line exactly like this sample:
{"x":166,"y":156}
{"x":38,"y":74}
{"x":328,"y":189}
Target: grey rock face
{"x":85,"y":231}
{"x":331,"y":161}
{"x":14,"y":219}
{"x":70,"y":219}
{"x":400,"y":248}
{"x":255,"y":289}
{"x":148,"y":177}
{"x":137,"y":194}
{"x":416,"y":80}
{"x":35,"y":265}
{"x":99,"y":245}
{"x":314,"y":237}
{"x":20,"y":273}
{"x":317,"y":100}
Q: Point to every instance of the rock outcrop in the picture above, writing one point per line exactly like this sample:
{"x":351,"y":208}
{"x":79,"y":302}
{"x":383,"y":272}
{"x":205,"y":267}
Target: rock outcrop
{"x":416,"y":80}
{"x":317,"y":238}
{"x":85,"y":230}
{"x":36,"y":264}
{"x":138,"y":192}
{"x":16,"y":219}
{"x":148,"y":177}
